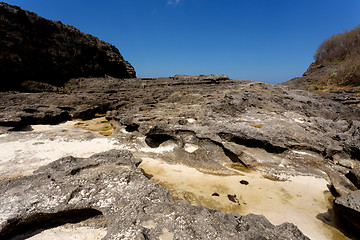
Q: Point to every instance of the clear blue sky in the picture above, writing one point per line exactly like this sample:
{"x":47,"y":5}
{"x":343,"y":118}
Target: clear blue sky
{"x":262,"y":40}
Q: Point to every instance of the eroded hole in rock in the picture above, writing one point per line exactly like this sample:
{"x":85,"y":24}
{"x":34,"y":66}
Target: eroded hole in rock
{"x":132,"y":127}
{"x":69,"y":221}
{"x":233,"y":157}
{"x":26,"y":128}
{"x":154,"y":140}
{"x":252,"y":143}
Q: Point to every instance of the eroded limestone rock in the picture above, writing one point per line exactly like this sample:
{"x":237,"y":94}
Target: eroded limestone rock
{"x":135,"y":208}
{"x":348,"y":209}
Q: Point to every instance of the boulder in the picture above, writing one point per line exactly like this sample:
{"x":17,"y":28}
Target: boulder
{"x":34,"y":48}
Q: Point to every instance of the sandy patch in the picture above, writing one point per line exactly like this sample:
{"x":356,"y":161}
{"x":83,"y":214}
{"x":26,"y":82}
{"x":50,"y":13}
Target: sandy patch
{"x":298,"y":200}
{"x":47,"y":127}
{"x":23,"y":152}
{"x":64,"y":233}
{"x":161,"y":149}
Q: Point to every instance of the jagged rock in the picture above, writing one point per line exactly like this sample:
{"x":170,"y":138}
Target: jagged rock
{"x":354,"y":176}
{"x":346,"y":163}
{"x":201,"y":77}
{"x":33,"y":48}
{"x":348,"y":209}
{"x":229,"y":114}
{"x":135,"y":208}
{"x":16,"y":117}
{"x":22,"y":109}
{"x":209,"y":124}
{"x":341,"y":185}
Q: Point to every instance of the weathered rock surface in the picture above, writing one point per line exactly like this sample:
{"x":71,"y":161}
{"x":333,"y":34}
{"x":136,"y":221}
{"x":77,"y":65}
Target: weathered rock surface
{"x":208,"y":124}
{"x":135,"y":208}
{"x":255,"y":124}
{"x":348,"y":209}
{"x":238,"y":116}
{"x":34,"y":48}
{"x":313,"y":80}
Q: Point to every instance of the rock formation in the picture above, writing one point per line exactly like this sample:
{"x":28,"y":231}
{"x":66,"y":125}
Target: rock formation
{"x":258,"y":125}
{"x":348,"y":208}
{"x":135,"y":208}
{"x":34,"y":48}
{"x":208,"y":122}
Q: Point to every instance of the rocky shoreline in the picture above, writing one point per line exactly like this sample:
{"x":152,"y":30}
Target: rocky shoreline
{"x":253,"y":125}
{"x":95,"y":147}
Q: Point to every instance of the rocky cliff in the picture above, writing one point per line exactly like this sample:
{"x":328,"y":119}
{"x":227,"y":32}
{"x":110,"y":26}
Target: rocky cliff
{"x":34,"y":48}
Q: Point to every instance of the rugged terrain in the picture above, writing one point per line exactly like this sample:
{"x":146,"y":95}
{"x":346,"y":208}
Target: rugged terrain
{"x":210,"y":123}
{"x":36,"y":49}
{"x":117,"y":156}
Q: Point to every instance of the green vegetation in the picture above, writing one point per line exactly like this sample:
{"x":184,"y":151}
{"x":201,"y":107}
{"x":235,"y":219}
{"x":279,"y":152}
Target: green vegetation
{"x":343,"y":51}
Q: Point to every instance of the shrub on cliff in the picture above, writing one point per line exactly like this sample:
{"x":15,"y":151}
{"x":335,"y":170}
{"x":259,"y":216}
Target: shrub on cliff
{"x":342,"y":49}
{"x":339,"y":47}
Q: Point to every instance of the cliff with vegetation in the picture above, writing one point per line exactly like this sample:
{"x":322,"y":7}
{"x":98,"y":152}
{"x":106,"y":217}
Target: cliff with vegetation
{"x":336,"y":66}
{"x":41,"y":50}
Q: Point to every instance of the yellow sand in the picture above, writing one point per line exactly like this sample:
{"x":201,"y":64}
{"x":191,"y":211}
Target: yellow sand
{"x":298,"y":200}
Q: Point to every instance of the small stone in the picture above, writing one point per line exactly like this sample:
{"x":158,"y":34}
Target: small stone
{"x":244,"y":182}
{"x":233,"y":198}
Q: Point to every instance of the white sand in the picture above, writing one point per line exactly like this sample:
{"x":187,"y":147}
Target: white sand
{"x":23,"y":152}
{"x":63,"y":233}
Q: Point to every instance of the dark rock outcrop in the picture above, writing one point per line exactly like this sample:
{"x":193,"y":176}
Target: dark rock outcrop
{"x":34,"y":48}
{"x":348,"y":209}
{"x":354,"y":176}
{"x":135,"y":207}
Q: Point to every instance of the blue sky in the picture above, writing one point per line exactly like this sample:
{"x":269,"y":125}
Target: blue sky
{"x":261,"y":40}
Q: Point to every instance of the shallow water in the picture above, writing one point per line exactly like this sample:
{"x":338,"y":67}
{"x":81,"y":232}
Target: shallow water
{"x":299,"y":199}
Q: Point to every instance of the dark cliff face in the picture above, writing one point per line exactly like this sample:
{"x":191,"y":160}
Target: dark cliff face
{"x":34,"y":48}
